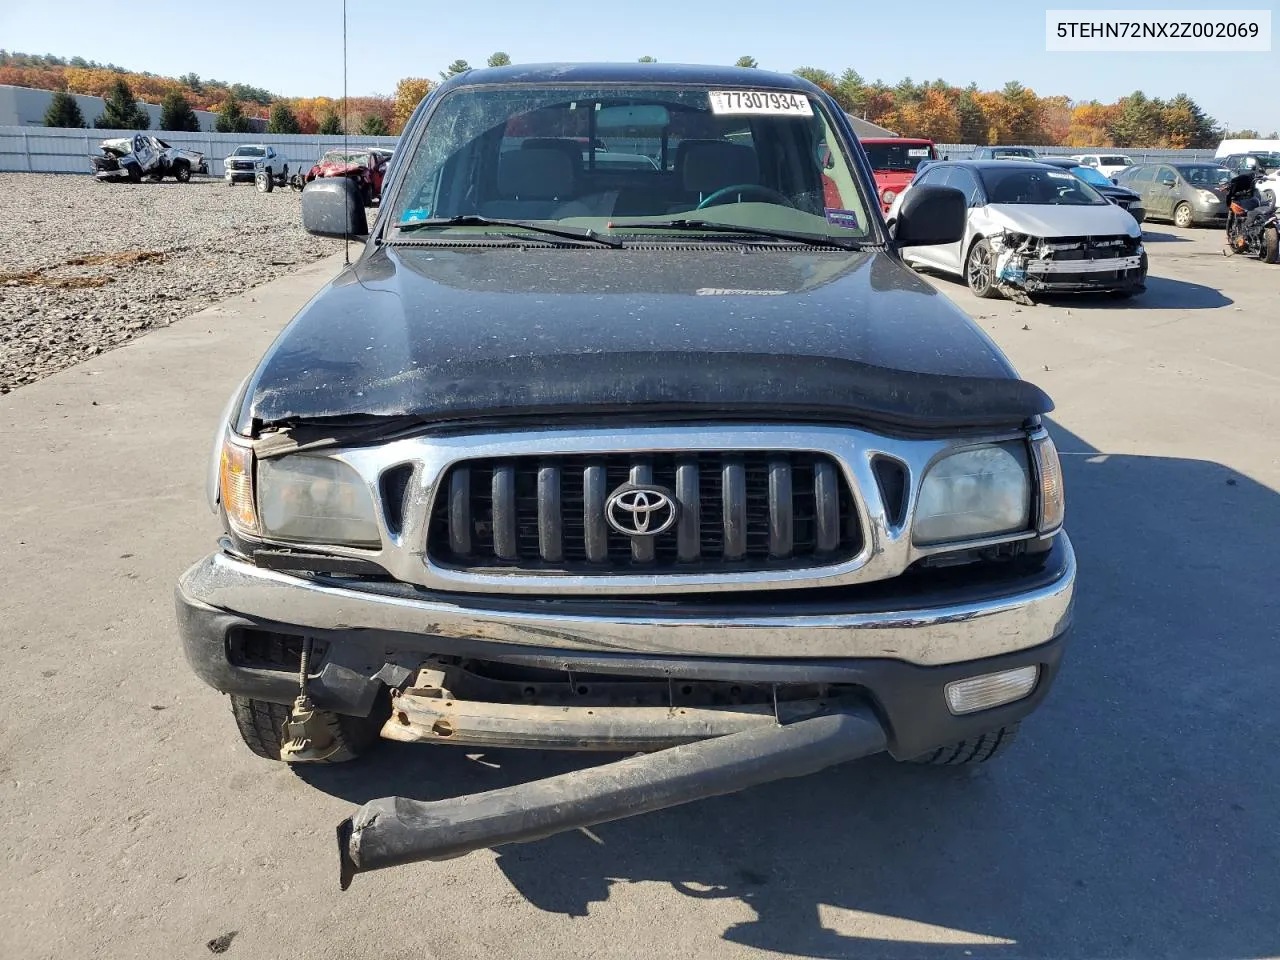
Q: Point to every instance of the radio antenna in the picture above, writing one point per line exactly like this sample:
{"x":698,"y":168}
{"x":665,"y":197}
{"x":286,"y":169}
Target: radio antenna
{"x":346,"y":125}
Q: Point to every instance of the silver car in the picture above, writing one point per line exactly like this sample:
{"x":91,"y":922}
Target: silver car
{"x":1032,"y":228}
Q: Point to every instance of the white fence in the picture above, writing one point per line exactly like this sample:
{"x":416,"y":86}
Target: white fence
{"x":58,"y":150}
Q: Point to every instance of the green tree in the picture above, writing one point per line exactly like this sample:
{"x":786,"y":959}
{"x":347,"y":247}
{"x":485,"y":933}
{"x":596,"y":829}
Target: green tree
{"x":330,"y":124}
{"x":746,"y":62}
{"x":972,"y":121}
{"x":816,"y":75}
{"x":455,"y":68}
{"x":1186,"y":126}
{"x":1139,"y":123}
{"x":374,"y":126}
{"x":283,"y":120}
{"x":231,"y":118}
{"x":63,"y":111}
{"x":122,"y":110}
{"x":192,"y":82}
{"x":647,"y":60}
{"x":176,"y":113}
{"x":498,"y":59}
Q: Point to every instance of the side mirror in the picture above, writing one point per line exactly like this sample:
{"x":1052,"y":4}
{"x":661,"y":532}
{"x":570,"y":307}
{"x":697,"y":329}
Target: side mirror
{"x":331,"y":207}
{"x":930,"y":215}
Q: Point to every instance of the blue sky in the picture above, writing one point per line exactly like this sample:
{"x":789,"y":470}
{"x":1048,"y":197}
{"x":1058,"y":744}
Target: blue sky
{"x":296,"y":50}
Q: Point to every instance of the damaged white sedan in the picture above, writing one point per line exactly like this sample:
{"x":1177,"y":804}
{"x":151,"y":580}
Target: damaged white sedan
{"x":1033,"y":229}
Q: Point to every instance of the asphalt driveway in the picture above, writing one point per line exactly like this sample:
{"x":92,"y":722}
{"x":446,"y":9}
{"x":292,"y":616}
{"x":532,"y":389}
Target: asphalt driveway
{"x":1137,"y":817}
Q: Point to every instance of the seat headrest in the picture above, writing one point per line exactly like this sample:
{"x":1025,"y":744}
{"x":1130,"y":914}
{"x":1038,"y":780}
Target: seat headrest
{"x":707,"y":165}
{"x":535,"y":174}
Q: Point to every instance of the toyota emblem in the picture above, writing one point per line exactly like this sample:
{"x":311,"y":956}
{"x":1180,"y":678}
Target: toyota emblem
{"x":641,"y":511}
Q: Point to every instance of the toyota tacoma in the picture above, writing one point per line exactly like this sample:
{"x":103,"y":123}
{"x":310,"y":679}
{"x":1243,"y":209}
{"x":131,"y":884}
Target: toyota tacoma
{"x":676,"y":459}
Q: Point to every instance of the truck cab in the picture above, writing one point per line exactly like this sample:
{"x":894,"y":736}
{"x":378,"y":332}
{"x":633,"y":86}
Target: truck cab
{"x":894,"y":161}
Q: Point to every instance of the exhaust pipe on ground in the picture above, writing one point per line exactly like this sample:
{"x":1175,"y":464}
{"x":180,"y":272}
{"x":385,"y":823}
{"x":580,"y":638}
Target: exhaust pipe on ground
{"x":393,"y":831}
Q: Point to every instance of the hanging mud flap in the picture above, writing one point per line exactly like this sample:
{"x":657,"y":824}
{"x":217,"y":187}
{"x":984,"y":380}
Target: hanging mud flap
{"x":395,"y":830}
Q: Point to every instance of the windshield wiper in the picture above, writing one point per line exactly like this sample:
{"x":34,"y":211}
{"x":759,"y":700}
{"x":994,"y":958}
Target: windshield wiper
{"x":585,"y":234}
{"x":711,"y":226}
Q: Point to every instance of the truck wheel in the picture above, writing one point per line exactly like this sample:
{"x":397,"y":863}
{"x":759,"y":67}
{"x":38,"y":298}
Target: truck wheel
{"x":266,"y":183}
{"x":260,"y":724}
{"x":182,"y":171}
{"x":980,"y":270}
{"x":1271,"y":245}
{"x":980,"y":749}
{"x":1182,"y":216}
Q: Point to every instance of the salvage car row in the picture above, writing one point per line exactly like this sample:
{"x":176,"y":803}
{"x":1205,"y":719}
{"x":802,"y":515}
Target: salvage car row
{"x":131,"y":159}
{"x":1060,"y":225}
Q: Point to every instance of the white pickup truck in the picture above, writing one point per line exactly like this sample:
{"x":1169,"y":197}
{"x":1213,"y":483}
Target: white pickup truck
{"x":257,"y":163}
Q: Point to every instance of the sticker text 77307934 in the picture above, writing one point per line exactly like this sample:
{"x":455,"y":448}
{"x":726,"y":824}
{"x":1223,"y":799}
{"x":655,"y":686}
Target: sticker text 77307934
{"x":760,"y":101}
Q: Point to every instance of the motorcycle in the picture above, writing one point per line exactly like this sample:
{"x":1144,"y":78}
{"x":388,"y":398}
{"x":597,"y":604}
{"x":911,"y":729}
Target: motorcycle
{"x":1252,"y":226}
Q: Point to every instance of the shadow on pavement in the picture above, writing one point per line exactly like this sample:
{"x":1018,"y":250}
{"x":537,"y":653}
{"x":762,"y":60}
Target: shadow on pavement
{"x":1135,"y":818}
{"x":1152,"y":236}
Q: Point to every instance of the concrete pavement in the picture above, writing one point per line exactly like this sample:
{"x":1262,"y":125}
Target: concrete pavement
{"x":1135,"y":818}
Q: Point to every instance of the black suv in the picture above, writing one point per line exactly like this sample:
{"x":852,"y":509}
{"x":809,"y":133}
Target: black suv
{"x":670,"y":453}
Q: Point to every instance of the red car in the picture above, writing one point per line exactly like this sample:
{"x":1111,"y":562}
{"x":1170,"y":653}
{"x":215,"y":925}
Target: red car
{"x":894,"y":160}
{"x":367,"y":166}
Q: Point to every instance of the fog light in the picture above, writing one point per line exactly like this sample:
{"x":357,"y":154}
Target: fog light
{"x":991,"y":689}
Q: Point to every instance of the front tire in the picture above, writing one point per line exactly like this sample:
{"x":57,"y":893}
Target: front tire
{"x":182,"y":171}
{"x":980,"y":271}
{"x":260,"y":724}
{"x":266,"y":183}
{"x":979,"y":749}
{"x":1182,"y":216}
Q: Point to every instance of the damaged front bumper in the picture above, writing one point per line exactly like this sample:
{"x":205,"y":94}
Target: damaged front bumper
{"x":896,"y":652}
{"x":1027,"y":264}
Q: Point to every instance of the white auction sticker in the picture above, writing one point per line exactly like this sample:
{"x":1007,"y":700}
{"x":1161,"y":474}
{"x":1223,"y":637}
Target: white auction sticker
{"x":779,"y":103}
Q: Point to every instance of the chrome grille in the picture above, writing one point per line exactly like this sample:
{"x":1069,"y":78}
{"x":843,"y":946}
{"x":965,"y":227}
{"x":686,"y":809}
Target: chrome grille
{"x":753,"y":510}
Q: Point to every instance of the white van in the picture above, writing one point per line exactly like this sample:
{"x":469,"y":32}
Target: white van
{"x":1228,"y":147}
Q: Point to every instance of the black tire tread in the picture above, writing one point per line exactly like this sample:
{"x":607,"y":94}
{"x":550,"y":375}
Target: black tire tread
{"x":260,"y":724}
{"x":980,"y":749}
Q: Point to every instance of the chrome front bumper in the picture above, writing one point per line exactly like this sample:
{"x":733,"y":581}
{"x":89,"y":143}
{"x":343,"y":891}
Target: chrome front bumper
{"x":955,"y":630}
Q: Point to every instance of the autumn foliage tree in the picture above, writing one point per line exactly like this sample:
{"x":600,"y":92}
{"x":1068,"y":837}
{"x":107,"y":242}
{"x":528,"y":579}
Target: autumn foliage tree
{"x":409,"y":93}
{"x":936,"y":109}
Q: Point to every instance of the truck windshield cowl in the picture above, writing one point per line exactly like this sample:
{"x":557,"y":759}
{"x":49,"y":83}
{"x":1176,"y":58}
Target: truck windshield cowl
{"x":598,"y":157}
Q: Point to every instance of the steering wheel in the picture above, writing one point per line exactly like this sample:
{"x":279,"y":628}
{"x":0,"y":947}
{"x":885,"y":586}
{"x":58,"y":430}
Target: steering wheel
{"x":768,"y":194}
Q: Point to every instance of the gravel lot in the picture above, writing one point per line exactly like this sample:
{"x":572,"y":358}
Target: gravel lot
{"x":88,"y":266}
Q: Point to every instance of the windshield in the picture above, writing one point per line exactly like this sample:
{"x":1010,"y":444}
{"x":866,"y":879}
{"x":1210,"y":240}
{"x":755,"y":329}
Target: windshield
{"x":337,"y":156}
{"x":1090,"y":175}
{"x":1204,"y":175}
{"x":1024,"y":185}
{"x":249,"y":152}
{"x":1007,"y":153}
{"x":588,"y":156}
{"x":897,"y":156}
{"x":1114,"y":161}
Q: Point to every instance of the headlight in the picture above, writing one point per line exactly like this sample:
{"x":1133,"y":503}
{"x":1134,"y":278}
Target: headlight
{"x":980,"y":492}
{"x":1207,"y":196}
{"x":315,"y":500}
{"x":888,"y":196}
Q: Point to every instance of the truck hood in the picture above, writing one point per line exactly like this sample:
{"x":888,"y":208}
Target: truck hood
{"x":461,"y":332}
{"x":1062,"y":220}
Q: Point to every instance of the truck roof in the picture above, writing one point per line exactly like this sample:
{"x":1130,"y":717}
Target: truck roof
{"x":632,"y":73}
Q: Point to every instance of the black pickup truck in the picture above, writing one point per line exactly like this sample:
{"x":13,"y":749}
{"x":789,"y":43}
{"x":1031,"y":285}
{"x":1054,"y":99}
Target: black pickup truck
{"x":628,"y":430}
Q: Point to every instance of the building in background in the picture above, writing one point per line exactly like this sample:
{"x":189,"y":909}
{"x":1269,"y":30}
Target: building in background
{"x":25,"y":107}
